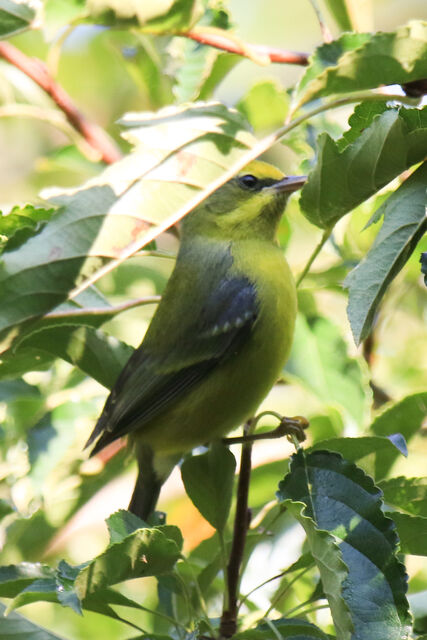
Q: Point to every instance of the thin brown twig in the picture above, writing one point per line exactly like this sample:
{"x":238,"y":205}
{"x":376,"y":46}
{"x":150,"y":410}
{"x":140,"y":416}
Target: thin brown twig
{"x":228,"y":624}
{"x":35,"y":69}
{"x":221,"y":41}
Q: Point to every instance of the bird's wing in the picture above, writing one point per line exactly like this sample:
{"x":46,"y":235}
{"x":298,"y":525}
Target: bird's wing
{"x":214,"y":328}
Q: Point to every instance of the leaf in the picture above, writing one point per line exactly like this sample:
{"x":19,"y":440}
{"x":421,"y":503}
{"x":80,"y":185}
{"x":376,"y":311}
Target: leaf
{"x":22,"y":223}
{"x":14,"y":17}
{"x":343,"y":505}
{"x":355,"y":62}
{"x":320,"y":361}
{"x":201,"y":68}
{"x":339,"y":10}
{"x":59,"y":14}
{"x":208,"y":481}
{"x":150,"y":16}
{"x":368,"y":451}
{"x":406,"y":494}
{"x":290,"y":628}
{"x":121,"y":523}
{"x":341,"y":180}
{"x":5,"y":509}
{"x":404,"y":225}
{"x":96,"y":353}
{"x":412,"y":532}
{"x":182,"y":150}
{"x":405,"y":417}
{"x":265,"y":106}
{"x":19,"y":628}
{"x":145,"y":552}
{"x":15,"y":578}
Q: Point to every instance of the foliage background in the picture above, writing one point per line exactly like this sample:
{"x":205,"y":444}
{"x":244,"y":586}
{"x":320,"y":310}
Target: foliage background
{"x":43,"y":469}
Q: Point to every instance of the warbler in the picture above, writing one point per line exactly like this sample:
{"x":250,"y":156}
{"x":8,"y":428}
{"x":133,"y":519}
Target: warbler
{"x":219,"y":338}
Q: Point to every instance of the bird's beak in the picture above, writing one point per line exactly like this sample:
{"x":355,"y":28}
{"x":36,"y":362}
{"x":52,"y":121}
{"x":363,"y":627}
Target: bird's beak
{"x":289,"y":184}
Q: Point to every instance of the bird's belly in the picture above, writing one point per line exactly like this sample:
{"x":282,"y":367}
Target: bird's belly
{"x":231,"y":393}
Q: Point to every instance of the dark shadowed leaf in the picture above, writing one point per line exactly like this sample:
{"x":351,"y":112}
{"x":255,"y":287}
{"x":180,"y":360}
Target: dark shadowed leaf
{"x":14,"y":17}
{"x":404,"y":225}
{"x":16,"y":627}
{"x":340,"y":499}
{"x":291,"y":629}
{"x":208,"y":480}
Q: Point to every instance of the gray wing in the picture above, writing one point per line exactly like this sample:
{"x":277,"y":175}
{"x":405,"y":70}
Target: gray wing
{"x":154,"y":378}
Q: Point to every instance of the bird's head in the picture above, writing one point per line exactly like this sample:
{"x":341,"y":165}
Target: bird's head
{"x":249,"y":205}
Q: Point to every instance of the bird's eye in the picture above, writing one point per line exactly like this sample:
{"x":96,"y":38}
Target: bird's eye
{"x":249,"y":182}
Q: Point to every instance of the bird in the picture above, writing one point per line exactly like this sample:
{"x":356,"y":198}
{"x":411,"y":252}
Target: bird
{"x":219,"y":338}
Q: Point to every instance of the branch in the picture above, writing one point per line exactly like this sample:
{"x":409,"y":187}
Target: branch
{"x":242,"y":518}
{"x":225,"y":42}
{"x":35,"y":69}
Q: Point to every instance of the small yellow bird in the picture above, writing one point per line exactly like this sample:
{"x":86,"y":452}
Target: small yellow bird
{"x":219,"y":338}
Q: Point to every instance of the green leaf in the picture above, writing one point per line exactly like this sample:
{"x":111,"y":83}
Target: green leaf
{"x":59,"y":14}
{"x":201,"y":68}
{"x":16,"y":627}
{"x":145,"y":552}
{"x":339,"y":10}
{"x":406,"y":494}
{"x":341,"y":180}
{"x":96,"y":353}
{"x":412,"y":532}
{"x":150,"y":16}
{"x":14,"y":17}
{"x":182,"y":150}
{"x":404,"y":225}
{"x":265,"y":106}
{"x":122,"y":523}
{"x":15,"y":578}
{"x":368,"y":451}
{"x":22,"y":223}
{"x":405,"y":417}
{"x":320,"y":361}
{"x":355,"y":62}
{"x":290,"y":628}
{"x":343,"y":505}
{"x":5,"y":509}
{"x":208,"y":481}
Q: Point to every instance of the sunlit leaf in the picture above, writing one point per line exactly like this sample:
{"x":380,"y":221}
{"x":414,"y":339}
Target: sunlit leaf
{"x":152,"y":16}
{"x":360,"y":61}
{"x":343,"y":178}
{"x":109,"y":217}
{"x":406,"y":494}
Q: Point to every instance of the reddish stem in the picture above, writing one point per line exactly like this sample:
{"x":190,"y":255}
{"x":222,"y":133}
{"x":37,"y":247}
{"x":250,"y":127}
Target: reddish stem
{"x":275,"y":54}
{"x":35,"y":69}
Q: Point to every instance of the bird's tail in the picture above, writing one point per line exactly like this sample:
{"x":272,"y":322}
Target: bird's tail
{"x":153,"y":471}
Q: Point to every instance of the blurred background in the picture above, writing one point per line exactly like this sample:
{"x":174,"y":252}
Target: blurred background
{"x":104,"y":73}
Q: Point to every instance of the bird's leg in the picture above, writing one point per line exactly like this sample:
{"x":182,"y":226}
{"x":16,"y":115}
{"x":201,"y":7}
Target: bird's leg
{"x":292,"y":428}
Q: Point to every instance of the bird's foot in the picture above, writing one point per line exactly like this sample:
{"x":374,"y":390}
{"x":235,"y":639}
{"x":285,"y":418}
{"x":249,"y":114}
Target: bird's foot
{"x":293,"y":428}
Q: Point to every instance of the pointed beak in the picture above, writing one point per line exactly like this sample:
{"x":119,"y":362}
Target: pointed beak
{"x":290,"y":183}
